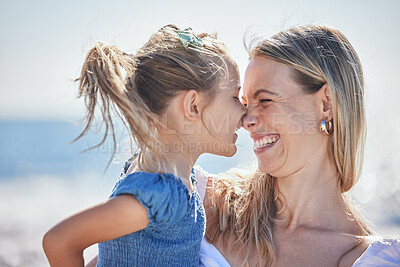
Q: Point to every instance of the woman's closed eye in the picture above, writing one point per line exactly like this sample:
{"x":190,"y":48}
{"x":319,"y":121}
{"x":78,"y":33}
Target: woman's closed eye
{"x":261,"y":103}
{"x":264,"y":101}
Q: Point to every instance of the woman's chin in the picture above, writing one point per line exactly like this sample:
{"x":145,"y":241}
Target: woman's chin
{"x":265,"y":168}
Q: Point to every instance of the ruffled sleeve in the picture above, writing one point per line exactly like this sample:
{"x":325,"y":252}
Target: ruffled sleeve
{"x":163,"y":195}
{"x":383,"y":252}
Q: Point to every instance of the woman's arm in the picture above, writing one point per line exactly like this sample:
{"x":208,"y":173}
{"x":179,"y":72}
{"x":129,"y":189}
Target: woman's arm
{"x":65,"y":242}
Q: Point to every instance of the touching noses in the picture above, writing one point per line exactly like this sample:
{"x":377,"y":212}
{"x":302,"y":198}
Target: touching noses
{"x":250,"y":120}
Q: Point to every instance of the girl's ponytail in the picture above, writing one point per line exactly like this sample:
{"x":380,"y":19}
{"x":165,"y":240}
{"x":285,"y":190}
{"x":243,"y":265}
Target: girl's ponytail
{"x":102,"y":84}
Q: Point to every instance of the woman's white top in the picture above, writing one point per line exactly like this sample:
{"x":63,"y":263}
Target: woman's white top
{"x":381,"y":252}
{"x":210,"y":256}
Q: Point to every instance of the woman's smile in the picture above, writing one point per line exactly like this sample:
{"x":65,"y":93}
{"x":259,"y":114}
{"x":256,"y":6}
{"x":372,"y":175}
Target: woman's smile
{"x":263,"y":142}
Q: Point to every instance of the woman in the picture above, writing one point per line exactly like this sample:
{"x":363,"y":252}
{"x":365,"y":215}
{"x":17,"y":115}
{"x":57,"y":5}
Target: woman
{"x":304,"y":91}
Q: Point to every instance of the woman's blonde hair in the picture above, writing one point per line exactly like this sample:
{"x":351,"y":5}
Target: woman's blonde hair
{"x":317,"y":55}
{"x":139,"y":87}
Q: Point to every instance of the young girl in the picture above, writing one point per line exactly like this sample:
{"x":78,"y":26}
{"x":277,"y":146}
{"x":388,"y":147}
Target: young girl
{"x":179,"y":98}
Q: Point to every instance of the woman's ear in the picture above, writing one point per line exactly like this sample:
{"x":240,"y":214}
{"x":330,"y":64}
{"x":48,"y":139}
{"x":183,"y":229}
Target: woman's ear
{"x":191,"y":108}
{"x":326,"y":102}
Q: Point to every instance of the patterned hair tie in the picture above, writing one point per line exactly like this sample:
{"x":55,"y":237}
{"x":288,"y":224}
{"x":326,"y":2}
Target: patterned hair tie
{"x":187,"y":37}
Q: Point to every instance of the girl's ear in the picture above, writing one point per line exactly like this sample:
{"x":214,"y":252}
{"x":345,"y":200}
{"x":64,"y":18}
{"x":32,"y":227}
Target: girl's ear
{"x":191,"y":101}
{"x":326,"y":102}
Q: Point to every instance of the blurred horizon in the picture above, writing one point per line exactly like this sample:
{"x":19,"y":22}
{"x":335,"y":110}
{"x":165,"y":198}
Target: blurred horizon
{"x":43,"y":178}
{"x":44,"y":43}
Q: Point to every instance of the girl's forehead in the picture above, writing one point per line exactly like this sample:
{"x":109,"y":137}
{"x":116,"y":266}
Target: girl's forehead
{"x":233,"y":77}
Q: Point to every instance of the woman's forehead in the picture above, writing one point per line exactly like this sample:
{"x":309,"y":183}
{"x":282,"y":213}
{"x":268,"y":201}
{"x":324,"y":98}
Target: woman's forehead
{"x":267,"y":76}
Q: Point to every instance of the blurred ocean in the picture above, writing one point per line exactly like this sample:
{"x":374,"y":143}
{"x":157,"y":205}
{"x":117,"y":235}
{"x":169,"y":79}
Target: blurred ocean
{"x":44,"y":179}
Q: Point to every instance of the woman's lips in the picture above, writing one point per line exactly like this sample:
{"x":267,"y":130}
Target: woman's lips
{"x":264,"y":142}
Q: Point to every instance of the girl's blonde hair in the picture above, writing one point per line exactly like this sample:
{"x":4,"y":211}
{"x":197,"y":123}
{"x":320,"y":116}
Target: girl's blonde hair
{"x":139,"y":87}
{"x":247,"y":207}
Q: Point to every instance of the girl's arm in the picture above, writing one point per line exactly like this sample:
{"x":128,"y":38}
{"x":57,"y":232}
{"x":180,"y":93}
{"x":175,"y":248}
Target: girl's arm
{"x":119,"y":216}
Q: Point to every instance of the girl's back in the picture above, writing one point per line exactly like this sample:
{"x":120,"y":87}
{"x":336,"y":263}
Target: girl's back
{"x":176,"y":225}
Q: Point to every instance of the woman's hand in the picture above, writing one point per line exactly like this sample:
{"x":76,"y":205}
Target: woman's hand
{"x":118,"y":216}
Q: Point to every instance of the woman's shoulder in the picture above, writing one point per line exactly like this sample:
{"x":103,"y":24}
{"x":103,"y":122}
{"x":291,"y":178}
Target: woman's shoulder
{"x":380,"y":252}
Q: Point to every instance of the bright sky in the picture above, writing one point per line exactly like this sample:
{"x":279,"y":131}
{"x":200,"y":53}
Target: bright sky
{"x":43,"y":44}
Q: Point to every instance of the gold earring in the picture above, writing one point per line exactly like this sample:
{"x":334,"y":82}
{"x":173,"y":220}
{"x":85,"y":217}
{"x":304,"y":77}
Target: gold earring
{"x":326,"y":127}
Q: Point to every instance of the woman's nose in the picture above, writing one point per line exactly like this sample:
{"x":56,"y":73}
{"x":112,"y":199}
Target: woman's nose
{"x":250,"y":120}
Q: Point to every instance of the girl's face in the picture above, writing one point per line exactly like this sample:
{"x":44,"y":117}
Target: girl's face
{"x":222,"y":117}
{"x":282,"y":120}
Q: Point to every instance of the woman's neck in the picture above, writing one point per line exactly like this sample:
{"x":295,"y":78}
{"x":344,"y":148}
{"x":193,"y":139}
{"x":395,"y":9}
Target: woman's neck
{"x":312,"y":199}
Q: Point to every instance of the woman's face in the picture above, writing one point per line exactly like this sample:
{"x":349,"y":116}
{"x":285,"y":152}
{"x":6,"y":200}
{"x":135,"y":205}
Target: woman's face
{"x":223,"y":116}
{"x":282,"y":120}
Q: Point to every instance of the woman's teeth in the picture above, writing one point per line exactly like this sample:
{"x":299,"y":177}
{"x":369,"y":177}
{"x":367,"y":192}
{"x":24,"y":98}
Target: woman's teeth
{"x":265,"y":141}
